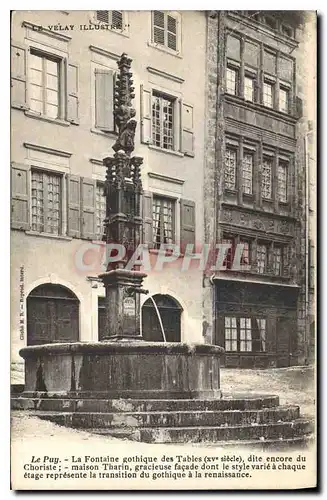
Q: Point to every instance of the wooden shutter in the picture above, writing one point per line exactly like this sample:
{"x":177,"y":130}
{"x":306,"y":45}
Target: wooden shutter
{"x":187,"y":223}
{"x":158,"y":21}
{"x":88,"y":187}
{"x":117,"y":19}
{"x":171,"y":33}
{"x":103,"y":16}
{"x":104,"y":100}
{"x":18,"y":76}
{"x":146,"y":115}
{"x":20,"y":196}
{"x":72,"y":93}
{"x":74,"y":206}
{"x":187,"y":139}
{"x":147,"y":215}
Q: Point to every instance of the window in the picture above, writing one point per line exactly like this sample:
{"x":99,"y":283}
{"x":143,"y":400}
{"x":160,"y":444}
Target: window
{"x":114,"y":18}
{"x":271,"y":22}
{"x":287,"y":30}
{"x":46,"y":202}
{"x":162,"y":121}
{"x":261,"y":258}
{"x":249,"y":88}
{"x":164,"y":29}
{"x":246,"y":256}
{"x":100,"y":210}
{"x":245,"y":334}
{"x":230,"y":334}
{"x":268,"y":89}
{"x":247,"y":173}
{"x":266,"y":179}
{"x":44,"y":77}
{"x":163,"y":221}
{"x":282,"y":182}
{"x":228,"y":261}
{"x":231,"y":81}
{"x":277,"y":260}
{"x":230,"y":169}
{"x":283,"y":100}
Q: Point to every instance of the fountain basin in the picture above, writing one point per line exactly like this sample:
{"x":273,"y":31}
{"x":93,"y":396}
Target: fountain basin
{"x":123,"y":369}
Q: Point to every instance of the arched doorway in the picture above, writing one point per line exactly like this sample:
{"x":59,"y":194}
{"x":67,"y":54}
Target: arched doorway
{"x":170,"y":312}
{"x":52,"y":315}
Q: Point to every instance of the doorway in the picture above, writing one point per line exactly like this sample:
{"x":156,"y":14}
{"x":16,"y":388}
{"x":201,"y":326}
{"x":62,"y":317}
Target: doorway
{"x":170,"y":312}
{"x":52,"y":315}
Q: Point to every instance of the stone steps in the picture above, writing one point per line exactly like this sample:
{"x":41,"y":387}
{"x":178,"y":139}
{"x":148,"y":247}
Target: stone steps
{"x":228,"y":418}
{"x":252,"y":420}
{"x":209,"y":434}
{"x":235,"y":402}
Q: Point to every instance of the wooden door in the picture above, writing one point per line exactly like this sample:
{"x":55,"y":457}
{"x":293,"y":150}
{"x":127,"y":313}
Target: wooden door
{"x":52,"y":315}
{"x":283,"y":342}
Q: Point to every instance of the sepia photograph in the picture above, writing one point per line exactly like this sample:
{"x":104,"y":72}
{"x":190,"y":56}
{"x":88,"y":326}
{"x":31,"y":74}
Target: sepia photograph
{"x":163,"y":234}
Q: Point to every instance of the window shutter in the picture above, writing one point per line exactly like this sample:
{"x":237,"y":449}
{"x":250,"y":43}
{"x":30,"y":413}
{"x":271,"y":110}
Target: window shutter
{"x":171,"y":33}
{"x":146,"y":118}
{"x":117,"y":19}
{"x":18,"y":76}
{"x":20,"y":196}
{"x":88,"y":187}
{"x":187,"y":136}
{"x":74,"y":206}
{"x":159,"y":27}
{"x":102,"y":16}
{"x":104,"y":100}
{"x":147,"y":219}
{"x":72,"y":93}
{"x":187,"y":223}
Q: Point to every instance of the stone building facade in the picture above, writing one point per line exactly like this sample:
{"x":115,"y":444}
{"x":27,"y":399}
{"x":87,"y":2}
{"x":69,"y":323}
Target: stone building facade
{"x":63,"y":70}
{"x":260,"y":114}
{"x":226,"y":130}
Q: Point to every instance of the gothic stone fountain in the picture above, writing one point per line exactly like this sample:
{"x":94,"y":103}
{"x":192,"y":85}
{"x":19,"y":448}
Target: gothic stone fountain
{"x":123,"y":385}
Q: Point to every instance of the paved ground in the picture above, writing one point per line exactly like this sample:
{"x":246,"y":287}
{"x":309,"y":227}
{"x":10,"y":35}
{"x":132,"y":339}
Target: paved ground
{"x":293,"y":385}
{"x":32,"y":436}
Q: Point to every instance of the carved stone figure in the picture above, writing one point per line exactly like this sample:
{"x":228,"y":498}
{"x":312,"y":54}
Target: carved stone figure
{"x":123,"y":114}
{"x":125,"y":139}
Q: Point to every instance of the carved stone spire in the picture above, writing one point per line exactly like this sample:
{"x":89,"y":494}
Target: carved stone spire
{"x":123,"y":110}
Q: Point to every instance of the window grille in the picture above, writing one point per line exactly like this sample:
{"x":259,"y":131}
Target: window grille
{"x":100,"y":210}
{"x":266,"y":179}
{"x":46,"y":202}
{"x":247,"y":173}
{"x":230,"y":169}
{"x":282,"y":182}
{"x":261,"y":258}
{"x":44,"y":85}
{"x":231,"y":81}
{"x":163,"y":122}
{"x":163,"y":221}
{"x":268,"y":95}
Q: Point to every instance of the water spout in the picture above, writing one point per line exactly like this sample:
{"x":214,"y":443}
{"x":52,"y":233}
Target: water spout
{"x":159,"y":318}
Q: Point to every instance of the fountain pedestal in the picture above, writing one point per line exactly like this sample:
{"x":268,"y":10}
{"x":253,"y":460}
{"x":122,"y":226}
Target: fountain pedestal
{"x":122,"y":300}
